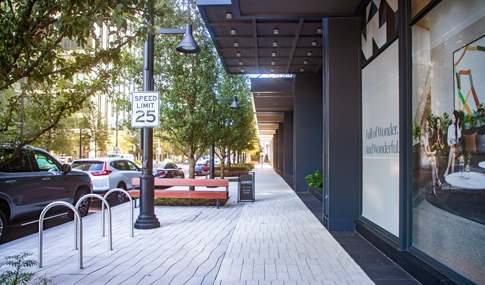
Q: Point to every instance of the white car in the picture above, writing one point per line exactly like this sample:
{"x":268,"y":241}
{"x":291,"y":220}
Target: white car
{"x":108,"y":173}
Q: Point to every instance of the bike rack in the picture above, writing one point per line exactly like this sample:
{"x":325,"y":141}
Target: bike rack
{"x":76,"y":215}
{"x":132,"y":223}
{"x":110,"y":231}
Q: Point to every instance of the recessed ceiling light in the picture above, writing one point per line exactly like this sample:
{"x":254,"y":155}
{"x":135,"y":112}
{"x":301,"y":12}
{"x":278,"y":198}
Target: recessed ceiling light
{"x":309,"y":53}
{"x":276,"y":31}
{"x":240,"y":63}
{"x":319,"y":30}
{"x":276,"y":103}
{"x":228,"y":15}
{"x":314,"y":44}
{"x":305,"y":62}
{"x":273,"y":62}
{"x":236,"y":44}
{"x":238,"y":54}
{"x":242,"y":69}
{"x":273,"y":54}
{"x":275,"y":44}
{"x":233,"y":32}
{"x":272,"y":70}
{"x":302,"y":70}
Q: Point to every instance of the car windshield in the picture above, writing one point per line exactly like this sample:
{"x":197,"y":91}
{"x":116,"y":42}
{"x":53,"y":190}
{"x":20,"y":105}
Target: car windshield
{"x":163,"y":166}
{"x":88,"y":165}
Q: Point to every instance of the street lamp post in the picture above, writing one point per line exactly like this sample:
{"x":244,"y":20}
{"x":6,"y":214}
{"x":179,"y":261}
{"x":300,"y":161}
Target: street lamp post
{"x":234,"y":105}
{"x":147,"y":218}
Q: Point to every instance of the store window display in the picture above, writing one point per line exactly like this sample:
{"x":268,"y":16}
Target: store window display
{"x":448,"y":95}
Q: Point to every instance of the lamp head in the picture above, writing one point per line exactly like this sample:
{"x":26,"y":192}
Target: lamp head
{"x":188,"y":44}
{"x":234,"y":104}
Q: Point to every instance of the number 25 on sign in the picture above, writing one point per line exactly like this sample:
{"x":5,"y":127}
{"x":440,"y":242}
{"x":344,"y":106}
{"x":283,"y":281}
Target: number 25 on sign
{"x":145,"y":109}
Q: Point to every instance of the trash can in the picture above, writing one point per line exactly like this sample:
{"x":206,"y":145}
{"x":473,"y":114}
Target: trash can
{"x":245,"y":191}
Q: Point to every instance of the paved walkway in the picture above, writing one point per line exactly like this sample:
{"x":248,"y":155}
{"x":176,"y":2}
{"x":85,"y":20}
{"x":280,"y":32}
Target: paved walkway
{"x":275,"y":240}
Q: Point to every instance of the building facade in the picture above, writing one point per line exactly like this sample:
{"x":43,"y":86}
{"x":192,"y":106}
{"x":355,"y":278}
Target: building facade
{"x":386,"y":100}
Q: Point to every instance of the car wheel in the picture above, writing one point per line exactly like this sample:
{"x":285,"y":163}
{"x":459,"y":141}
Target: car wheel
{"x":182,"y":176}
{"x":120,"y":195}
{"x":83,"y":208}
{"x":3,"y":226}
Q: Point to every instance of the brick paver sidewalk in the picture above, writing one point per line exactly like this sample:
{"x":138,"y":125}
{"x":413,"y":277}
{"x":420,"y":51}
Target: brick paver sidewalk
{"x":275,"y":240}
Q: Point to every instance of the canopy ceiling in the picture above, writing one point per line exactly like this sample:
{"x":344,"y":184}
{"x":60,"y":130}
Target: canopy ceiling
{"x":272,"y":37}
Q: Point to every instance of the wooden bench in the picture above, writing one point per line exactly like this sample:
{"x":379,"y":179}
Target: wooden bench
{"x":231,"y":170}
{"x":186,"y":194}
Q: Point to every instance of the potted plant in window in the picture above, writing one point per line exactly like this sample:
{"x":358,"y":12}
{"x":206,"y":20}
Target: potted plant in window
{"x":315,"y":185}
{"x":416,"y":133}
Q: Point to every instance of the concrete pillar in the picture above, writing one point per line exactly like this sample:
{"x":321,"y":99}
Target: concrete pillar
{"x":281,"y":143}
{"x":342,"y":116}
{"x":307,"y":128}
{"x":288,"y":146}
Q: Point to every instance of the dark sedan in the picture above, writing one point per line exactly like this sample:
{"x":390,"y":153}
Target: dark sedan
{"x":168,"y":170}
{"x":32,"y":181}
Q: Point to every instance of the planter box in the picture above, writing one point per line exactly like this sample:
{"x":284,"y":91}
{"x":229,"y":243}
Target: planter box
{"x":314,"y":191}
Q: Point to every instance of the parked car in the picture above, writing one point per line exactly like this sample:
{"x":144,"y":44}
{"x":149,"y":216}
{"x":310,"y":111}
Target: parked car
{"x":168,"y":170}
{"x":122,"y":155}
{"x":199,"y":164}
{"x":64,"y":159}
{"x":32,"y":181}
{"x":108,"y":173}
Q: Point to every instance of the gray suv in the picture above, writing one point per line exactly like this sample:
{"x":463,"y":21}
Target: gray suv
{"x":32,"y":181}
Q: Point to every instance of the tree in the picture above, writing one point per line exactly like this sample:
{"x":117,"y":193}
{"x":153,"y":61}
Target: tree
{"x":186,"y":84}
{"x":236,"y":127}
{"x":48,"y":53}
{"x":59,"y":139}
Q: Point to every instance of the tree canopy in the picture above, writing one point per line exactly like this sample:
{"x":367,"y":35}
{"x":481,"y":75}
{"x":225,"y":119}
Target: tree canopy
{"x":52,"y":60}
{"x":187,"y":83}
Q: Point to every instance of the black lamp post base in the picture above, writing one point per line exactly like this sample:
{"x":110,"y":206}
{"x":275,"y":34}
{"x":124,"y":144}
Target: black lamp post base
{"x":146,"y":222}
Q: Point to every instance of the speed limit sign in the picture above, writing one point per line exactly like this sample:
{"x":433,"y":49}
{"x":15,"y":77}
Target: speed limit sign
{"x":145,"y":109}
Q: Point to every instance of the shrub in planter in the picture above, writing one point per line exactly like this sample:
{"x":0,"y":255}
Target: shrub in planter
{"x":315,"y":181}
{"x":315,"y":184}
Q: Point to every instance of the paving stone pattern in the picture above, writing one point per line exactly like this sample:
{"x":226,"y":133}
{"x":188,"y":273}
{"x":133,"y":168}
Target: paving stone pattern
{"x":275,"y":240}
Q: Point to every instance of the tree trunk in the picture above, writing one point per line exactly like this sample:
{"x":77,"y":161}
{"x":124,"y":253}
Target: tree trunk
{"x":222,"y":167}
{"x":190,"y":153}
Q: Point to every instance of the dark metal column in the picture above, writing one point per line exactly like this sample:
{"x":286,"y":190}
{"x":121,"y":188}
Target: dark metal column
{"x":405,"y":127}
{"x":147,"y":218}
{"x":211,"y":172}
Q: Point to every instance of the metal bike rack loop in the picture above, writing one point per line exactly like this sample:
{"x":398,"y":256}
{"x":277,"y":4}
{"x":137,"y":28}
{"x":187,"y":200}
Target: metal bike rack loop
{"x":110,"y":231}
{"x":132,"y":222}
{"x":41,"y":229}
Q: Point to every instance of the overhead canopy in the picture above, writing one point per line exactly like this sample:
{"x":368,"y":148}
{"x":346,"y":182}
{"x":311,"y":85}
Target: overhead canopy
{"x":272,"y":37}
{"x":271,"y":97}
{"x":278,"y":36}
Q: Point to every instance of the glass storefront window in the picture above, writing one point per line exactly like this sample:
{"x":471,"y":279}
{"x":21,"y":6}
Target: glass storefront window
{"x":449,"y":136}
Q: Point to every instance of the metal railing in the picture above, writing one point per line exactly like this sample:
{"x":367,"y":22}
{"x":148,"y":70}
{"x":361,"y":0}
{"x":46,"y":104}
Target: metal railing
{"x":132,"y":223}
{"x":110,"y":230}
{"x":41,"y":229}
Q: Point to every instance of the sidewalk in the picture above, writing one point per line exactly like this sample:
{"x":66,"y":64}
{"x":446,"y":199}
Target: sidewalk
{"x":275,"y":240}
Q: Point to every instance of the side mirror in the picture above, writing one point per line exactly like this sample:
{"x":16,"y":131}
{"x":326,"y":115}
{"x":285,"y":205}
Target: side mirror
{"x":66,"y":168}
{"x":180,"y":168}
